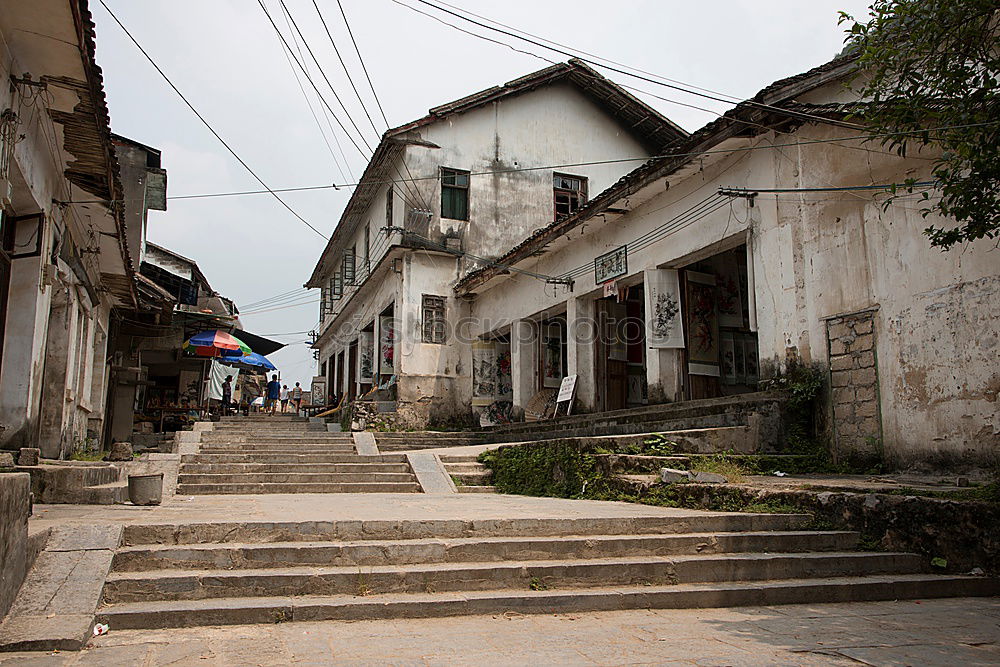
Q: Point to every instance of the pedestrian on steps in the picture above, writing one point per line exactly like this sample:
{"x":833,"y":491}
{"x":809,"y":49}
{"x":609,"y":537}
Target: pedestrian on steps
{"x":273,"y":394}
{"x":297,"y":397}
{"x":227,"y":394}
{"x":284,"y":398}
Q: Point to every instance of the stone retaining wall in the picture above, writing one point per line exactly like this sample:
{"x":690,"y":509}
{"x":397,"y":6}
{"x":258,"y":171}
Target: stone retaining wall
{"x":14,"y":558}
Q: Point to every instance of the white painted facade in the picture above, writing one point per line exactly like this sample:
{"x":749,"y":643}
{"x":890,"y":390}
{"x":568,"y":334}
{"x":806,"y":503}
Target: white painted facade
{"x":516,"y":139}
{"x":812,"y":257}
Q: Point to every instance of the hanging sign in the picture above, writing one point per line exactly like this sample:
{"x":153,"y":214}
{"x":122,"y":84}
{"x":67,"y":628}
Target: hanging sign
{"x":611,"y":265}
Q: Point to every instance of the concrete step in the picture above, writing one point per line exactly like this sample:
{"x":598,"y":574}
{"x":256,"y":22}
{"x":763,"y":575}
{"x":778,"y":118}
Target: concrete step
{"x":122,"y":587}
{"x":307,"y":487}
{"x":471,"y":478}
{"x":142,"y":558}
{"x":313,"y":531}
{"x":278,"y":449}
{"x":232,"y":611}
{"x":449,"y":459}
{"x":187,"y":478}
{"x":271,"y":439}
{"x":267,"y":458}
{"x":476,"y":488}
{"x":262,"y":468}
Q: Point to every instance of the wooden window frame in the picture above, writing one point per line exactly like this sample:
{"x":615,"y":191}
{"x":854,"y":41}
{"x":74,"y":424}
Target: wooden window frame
{"x":349,"y":267}
{"x":433,"y":327}
{"x":579,"y":195}
{"x":454,"y":174}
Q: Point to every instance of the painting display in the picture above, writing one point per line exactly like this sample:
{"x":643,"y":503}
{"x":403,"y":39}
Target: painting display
{"x":730,"y":296}
{"x":663,"y":303}
{"x":366,"y":357}
{"x":552,"y":357}
{"x":703,"y":324}
{"x":484,"y":372}
{"x":505,"y":375}
{"x":387,"y":346}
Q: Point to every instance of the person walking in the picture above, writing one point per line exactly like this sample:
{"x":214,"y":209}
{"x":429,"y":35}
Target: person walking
{"x":297,"y":397}
{"x":227,"y":394}
{"x":273,"y":393}
{"x":284,"y":398}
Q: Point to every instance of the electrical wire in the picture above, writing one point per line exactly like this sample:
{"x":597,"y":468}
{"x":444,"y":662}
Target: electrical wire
{"x":492,"y":172}
{"x":362,"y":60}
{"x":205,"y":122}
{"x":776,"y":109}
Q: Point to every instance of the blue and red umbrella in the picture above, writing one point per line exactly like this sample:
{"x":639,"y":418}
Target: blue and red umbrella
{"x":216,"y":343}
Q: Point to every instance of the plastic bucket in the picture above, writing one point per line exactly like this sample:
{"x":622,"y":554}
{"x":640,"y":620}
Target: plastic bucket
{"x":145,"y":489}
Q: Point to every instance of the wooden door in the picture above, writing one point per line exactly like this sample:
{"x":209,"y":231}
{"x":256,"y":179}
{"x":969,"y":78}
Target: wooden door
{"x":352,"y":371}
{"x":612,"y":360}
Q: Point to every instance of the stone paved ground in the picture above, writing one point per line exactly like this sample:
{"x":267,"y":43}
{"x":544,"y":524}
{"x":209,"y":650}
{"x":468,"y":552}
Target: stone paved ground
{"x":957,"y":631}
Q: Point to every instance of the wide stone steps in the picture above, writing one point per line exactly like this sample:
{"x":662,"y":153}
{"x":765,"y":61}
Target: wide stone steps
{"x":229,"y":611}
{"x":469,"y":475}
{"x":279,"y":449}
{"x":472,"y":576}
{"x":303,"y":476}
{"x":268,"y":458}
{"x":233,"y":556}
{"x":262,"y":468}
{"x":305,"y":487}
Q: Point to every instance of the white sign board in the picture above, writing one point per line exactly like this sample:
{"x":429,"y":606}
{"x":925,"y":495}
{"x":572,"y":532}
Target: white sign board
{"x":566,"y":389}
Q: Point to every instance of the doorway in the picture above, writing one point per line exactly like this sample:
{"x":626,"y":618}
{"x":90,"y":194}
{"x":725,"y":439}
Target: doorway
{"x":620,"y":349}
{"x":352,"y":371}
{"x":720,"y":353}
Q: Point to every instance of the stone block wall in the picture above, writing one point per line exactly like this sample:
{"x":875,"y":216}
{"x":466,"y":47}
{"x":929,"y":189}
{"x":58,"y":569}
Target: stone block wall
{"x":14,"y":560}
{"x":854,"y":384}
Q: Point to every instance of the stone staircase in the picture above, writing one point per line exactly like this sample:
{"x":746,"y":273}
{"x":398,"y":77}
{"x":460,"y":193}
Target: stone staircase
{"x":235,"y":573}
{"x":279,"y":454}
{"x":398,"y":441}
{"x":469,"y":475}
{"x":745,"y":422}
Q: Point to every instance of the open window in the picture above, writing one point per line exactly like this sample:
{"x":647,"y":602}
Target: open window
{"x":569,"y":193}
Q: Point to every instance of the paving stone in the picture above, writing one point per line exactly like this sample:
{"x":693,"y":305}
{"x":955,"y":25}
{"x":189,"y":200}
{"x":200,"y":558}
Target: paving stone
{"x":672,"y":475}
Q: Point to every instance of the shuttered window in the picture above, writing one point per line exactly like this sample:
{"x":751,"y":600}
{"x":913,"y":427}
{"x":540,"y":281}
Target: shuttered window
{"x":434,"y":319}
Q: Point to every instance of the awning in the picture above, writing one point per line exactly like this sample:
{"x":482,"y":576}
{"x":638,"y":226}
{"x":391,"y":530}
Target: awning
{"x":259,"y":345}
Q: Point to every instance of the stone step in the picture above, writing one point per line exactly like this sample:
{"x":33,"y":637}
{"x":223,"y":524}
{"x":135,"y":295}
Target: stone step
{"x":122,"y":587}
{"x":235,"y":611}
{"x":476,"y":488}
{"x":271,"y":439}
{"x":141,"y":558}
{"x":261,"y":468}
{"x":393,"y":447}
{"x":187,"y":478}
{"x":278,"y":449}
{"x":288,"y":458}
{"x":448,"y":459}
{"x":307,"y":487}
{"x":471,"y":478}
{"x":736,"y":439}
{"x":320,"y":531}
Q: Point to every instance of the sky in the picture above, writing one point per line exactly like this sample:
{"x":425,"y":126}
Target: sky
{"x":226,"y":58}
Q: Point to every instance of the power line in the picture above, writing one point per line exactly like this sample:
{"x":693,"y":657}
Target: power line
{"x":362,"y":60}
{"x":205,"y":122}
{"x":787,"y":112}
{"x":664,"y":156}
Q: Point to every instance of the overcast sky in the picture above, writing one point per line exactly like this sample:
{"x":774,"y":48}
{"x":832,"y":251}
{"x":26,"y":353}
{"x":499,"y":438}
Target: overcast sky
{"x":226,"y":58}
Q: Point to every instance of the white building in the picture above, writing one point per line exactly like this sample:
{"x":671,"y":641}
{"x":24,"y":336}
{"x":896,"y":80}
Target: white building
{"x":713,"y":289}
{"x":63,"y":265}
{"x":471,"y":179}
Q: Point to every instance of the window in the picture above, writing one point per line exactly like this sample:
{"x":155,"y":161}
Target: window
{"x":348,"y":267}
{"x":434,"y":322}
{"x":323,"y":302}
{"x":388,"y":206}
{"x":368,"y":250}
{"x":454,"y":194}
{"x":337,"y":284}
{"x":569,"y":194}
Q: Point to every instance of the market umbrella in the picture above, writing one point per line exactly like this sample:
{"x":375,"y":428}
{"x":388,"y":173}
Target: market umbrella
{"x":215,"y":343}
{"x":252,"y":359}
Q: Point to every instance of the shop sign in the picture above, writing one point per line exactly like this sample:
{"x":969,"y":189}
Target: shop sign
{"x":611,"y":265}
